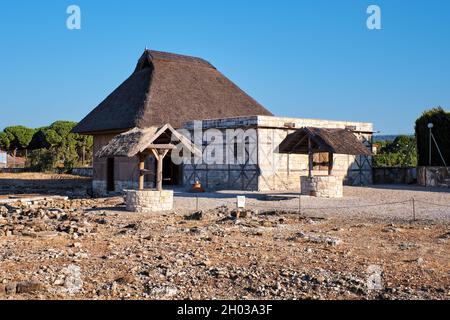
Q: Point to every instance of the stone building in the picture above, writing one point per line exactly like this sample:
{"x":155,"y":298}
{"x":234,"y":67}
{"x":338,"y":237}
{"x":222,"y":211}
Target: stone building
{"x":273,"y":170}
{"x":167,"y":88}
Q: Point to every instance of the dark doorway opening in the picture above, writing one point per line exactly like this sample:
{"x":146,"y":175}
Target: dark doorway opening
{"x":171,"y":172}
{"x":110,"y":175}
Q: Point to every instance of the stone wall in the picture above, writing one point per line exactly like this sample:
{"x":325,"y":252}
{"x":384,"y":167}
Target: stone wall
{"x":146,"y":201}
{"x":322,"y":186}
{"x":83,"y":171}
{"x":225,"y":175}
{"x":390,"y":175}
{"x":433,"y":176}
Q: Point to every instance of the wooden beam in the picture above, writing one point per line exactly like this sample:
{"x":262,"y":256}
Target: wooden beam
{"x":141,"y":171}
{"x":310,"y":158}
{"x":330,"y":163}
{"x":162,"y":146}
{"x":299,"y":142}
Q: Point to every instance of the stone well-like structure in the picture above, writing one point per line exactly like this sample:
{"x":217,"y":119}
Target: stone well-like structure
{"x":149,"y":200}
{"x":322,"y":186}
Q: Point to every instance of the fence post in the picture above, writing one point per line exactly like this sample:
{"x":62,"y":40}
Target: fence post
{"x":299,"y":203}
{"x":414,"y":209}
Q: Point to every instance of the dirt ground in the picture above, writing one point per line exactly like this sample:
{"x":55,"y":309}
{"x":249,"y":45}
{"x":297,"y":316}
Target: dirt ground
{"x":332,"y":249}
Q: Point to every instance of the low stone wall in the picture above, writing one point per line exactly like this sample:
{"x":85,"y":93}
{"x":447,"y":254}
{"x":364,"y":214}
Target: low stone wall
{"x":149,"y":200}
{"x":394,"y":175}
{"x":433,"y":176}
{"x":83,"y":171}
{"x":322,"y":186}
{"x":13,"y":170}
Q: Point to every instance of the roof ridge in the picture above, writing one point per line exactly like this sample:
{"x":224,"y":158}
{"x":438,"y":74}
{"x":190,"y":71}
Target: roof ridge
{"x":175,"y":57}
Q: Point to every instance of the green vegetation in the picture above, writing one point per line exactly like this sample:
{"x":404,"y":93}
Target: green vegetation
{"x":53,"y":148}
{"x":401,"y":152}
{"x":441,"y":131}
{"x":16,"y":138}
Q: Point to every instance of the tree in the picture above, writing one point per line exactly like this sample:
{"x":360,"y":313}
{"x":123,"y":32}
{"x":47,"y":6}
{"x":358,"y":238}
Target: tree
{"x":65,"y":149}
{"x":19,"y":137}
{"x":441,"y":132}
{"x":4,"y":141}
{"x":401,"y":152}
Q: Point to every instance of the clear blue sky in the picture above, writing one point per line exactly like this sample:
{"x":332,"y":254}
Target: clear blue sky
{"x":314,"y":59}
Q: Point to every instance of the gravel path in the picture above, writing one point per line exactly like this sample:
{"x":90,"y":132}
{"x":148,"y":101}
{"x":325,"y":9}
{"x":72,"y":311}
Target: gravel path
{"x":390,"y":202}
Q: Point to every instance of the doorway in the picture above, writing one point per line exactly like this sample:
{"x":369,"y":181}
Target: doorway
{"x":110,"y":175}
{"x":171,"y":172}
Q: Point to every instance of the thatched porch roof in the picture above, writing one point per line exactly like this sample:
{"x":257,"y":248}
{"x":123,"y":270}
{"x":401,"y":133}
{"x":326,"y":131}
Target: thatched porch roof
{"x":340,"y":141}
{"x":136,"y":141}
{"x":169,"y":88}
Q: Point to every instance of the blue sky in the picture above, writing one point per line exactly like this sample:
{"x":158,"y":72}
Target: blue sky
{"x":313,"y":59}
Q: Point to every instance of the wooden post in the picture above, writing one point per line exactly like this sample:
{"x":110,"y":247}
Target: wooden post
{"x":141,"y":171}
{"x":159,"y":156}
{"x":330,"y":163}
{"x":159,"y":173}
{"x":310,"y":157}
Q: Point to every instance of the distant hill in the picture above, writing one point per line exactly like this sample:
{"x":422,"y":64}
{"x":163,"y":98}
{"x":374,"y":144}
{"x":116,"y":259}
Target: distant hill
{"x":389,"y":137}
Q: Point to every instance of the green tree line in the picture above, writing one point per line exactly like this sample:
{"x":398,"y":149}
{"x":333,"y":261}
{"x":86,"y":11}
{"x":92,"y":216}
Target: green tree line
{"x":51,"y":148}
{"x":401,"y":152}
{"x":411,"y":151}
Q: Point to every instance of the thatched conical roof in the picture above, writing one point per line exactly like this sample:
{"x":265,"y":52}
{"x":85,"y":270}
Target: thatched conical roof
{"x":169,"y":88}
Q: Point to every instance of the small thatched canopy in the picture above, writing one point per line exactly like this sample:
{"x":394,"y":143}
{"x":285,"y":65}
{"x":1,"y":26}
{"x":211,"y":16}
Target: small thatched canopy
{"x":169,"y":88}
{"x":138,"y":141}
{"x":340,"y":141}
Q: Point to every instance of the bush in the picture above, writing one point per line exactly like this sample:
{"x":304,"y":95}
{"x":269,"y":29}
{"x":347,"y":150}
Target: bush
{"x":441,"y":132}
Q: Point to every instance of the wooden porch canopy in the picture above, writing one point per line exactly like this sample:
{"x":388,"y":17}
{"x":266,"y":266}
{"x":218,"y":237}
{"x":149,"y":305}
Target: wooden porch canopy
{"x":310,"y":140}
{"x":144,"y":142}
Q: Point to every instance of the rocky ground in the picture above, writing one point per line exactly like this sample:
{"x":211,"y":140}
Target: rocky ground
{"x":94,"y":249}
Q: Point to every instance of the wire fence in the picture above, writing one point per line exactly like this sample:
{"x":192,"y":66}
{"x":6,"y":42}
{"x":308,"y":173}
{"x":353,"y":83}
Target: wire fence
{"x":412,"y":208}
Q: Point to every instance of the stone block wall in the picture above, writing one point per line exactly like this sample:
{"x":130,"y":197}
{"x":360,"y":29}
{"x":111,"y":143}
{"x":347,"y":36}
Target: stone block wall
{"x":434,"y":176}
{"x":146,"y":201}
{"x":322,"y":186}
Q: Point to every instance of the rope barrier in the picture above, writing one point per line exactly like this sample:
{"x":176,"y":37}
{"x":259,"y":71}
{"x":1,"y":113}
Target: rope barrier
{"x":340,"y":207}
{"x":301,"y":208}
{"x":433,"y":204}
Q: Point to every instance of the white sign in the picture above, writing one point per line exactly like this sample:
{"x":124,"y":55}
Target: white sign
{"x":241,"y":202}
{"x":3,"y":157}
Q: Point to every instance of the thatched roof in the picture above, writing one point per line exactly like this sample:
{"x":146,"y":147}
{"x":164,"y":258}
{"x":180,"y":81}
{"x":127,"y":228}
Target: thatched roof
{"x":135,"y":141}
{"x":340,"y":141}
{"x":169,"y":88}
